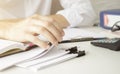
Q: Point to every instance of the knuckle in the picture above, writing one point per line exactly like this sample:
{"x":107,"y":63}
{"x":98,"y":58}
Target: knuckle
{"x":51,"y":20}
{"x":47,"y":24}
{"x":42,"y":29}
{"x":54,"y":40}
{"x":44,"y":44}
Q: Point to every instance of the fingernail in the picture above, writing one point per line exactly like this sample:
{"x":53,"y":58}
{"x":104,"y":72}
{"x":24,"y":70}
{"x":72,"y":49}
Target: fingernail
{"x":31,"y":44}
{"x":63,"y":33}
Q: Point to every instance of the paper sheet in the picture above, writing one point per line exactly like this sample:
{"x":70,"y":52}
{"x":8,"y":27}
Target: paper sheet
{"x":11,"y":60}
{"x":52,"y":62}
{"x":53,"y":57}
{"x":5,"y":45}
{"x":53,"y":54}
{"x":75,"y":33}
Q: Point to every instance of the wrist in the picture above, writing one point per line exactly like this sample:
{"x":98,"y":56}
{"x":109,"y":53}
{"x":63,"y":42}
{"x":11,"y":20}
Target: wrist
{"x":5,"y":25}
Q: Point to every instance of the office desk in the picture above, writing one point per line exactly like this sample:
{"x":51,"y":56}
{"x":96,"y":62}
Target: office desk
{"x":97,"y":60}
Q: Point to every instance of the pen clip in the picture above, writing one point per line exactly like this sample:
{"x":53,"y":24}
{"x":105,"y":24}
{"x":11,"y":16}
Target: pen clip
{"x":81,"y":53}
{"x":74,"y":50}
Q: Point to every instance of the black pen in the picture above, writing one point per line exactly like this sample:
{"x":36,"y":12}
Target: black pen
{"x":81,"y":39}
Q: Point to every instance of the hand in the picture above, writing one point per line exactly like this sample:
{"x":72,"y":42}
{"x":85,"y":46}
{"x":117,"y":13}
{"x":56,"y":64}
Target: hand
{"x":27,"y":30}
{"x":61,"y":21}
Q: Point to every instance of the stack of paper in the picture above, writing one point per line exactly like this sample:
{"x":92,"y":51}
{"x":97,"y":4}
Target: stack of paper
{"x":55,"y":56}
{"x":46,"y":60}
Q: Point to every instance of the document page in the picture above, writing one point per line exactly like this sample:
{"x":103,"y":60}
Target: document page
{"x":53,"y":54}
{"x":11,"y":60}
{"x":80,"y":33}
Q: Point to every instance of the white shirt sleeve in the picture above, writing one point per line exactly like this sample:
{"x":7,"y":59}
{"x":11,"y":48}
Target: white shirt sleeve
{"x":77,"y":12}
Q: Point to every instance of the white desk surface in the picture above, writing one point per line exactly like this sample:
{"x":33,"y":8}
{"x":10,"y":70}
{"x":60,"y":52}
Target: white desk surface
{"x":97,"y":61}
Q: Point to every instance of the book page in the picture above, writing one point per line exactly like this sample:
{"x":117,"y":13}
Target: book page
{"x":6,"y":45}
{"x":20,"y":57}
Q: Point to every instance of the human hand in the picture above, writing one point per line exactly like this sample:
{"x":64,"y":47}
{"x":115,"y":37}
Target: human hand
{"x":27,"y":30}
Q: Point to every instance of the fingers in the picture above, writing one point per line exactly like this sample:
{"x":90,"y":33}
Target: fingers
{"x":37,"y":41}
{"x":59,"y":28}
{"x":50,"y":28}
{"x":44,"y":32}
{"x":46,"y":27}
{"x":55,"y":31}
{"x":53,"y":21}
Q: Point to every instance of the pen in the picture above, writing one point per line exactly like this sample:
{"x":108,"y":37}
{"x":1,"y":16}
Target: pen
{"x":81,"y":39}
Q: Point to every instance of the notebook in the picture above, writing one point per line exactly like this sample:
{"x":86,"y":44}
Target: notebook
{"x":10,"y":47}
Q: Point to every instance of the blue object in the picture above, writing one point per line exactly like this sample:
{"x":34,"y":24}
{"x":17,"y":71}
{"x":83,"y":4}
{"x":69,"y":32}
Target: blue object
{"x":102,"y":20}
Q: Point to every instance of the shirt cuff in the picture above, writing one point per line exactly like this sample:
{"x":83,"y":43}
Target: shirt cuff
{"x":71,"y":16}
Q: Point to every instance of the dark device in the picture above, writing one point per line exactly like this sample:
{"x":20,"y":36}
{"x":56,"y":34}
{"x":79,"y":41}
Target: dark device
{"x":113,"y":43}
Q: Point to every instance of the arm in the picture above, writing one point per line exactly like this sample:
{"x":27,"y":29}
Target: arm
{"x":77,"y":12}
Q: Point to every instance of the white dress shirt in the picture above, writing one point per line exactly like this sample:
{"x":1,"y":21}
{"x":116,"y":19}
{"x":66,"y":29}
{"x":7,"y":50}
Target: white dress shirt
{"x":77,"y":12}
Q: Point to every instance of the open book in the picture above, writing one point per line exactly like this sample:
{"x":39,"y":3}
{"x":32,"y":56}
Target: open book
{"x":11,"y":60}
{"x":10,"y":47}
